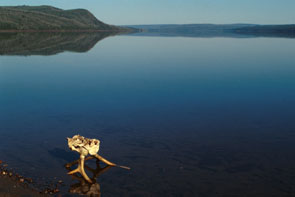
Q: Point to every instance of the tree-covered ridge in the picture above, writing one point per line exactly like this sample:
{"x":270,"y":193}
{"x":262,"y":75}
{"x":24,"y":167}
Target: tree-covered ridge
{"x":49,"y":18}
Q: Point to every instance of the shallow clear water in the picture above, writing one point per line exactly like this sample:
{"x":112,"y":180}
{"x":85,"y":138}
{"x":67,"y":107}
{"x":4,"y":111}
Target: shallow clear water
{"x":190,"y":116}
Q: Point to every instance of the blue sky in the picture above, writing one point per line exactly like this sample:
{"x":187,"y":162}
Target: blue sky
{"x":121,"y":12}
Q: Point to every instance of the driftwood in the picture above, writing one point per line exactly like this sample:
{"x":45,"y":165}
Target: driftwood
{"x":83,"y":187}
{"x":85,"y":146}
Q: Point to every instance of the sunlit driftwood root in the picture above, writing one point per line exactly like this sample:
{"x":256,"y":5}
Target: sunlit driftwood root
{"x":85,"y":146}
{"x":84,"y":187}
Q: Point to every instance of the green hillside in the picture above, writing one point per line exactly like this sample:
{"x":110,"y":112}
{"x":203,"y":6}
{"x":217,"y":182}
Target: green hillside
{"x":49,"y":18}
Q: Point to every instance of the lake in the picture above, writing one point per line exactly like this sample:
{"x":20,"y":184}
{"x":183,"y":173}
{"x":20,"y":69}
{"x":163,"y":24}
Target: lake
{"x":190,"y":116}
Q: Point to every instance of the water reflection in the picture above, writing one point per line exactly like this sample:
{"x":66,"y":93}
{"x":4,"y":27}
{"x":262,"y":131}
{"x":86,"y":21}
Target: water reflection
{"x":194,"y":117}
{"x":83,"y":187}
{"x":48,"y":43}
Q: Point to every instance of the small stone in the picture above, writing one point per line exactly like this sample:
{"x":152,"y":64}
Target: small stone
{"x":29,"y":180}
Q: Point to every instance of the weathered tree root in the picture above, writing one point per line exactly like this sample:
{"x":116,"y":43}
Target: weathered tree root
{"x":81,"y":163}
{"x":109,"y":163}
{"x":85,"y":146}
{"x":84,"y":187}
{"x":81,"y":169}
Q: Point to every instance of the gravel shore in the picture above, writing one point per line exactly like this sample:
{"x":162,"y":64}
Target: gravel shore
{"x":12,"y":188}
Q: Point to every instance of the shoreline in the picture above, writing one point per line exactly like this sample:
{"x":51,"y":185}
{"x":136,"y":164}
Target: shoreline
{"x":13,"y":184}
{"x":12,"y":188}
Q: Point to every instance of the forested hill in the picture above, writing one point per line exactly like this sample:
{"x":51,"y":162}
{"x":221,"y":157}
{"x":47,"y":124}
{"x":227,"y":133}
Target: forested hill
{"x":42,"y":18}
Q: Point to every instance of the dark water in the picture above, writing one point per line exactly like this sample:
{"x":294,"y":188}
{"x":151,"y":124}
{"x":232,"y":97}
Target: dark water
{"x":190,"y":116}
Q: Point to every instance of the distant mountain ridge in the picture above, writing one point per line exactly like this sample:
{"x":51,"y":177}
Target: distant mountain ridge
{"x":41,"y":18}
{"x":216,"y":30}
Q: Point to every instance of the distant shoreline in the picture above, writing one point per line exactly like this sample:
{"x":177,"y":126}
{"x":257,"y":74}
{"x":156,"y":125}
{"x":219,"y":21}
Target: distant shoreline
{"x":216,"y":30}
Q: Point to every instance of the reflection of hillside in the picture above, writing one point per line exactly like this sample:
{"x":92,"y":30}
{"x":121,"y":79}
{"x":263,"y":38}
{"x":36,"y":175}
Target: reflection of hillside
{"x":48,"y":43}
{"x":284,"y":31}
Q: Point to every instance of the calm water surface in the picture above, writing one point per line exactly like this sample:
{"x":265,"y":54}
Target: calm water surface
{"x":190,"y":116}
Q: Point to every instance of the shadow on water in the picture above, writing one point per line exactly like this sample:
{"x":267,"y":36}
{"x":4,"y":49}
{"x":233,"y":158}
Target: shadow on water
{"x":26,"y":44}
{"x":63,"y":155}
